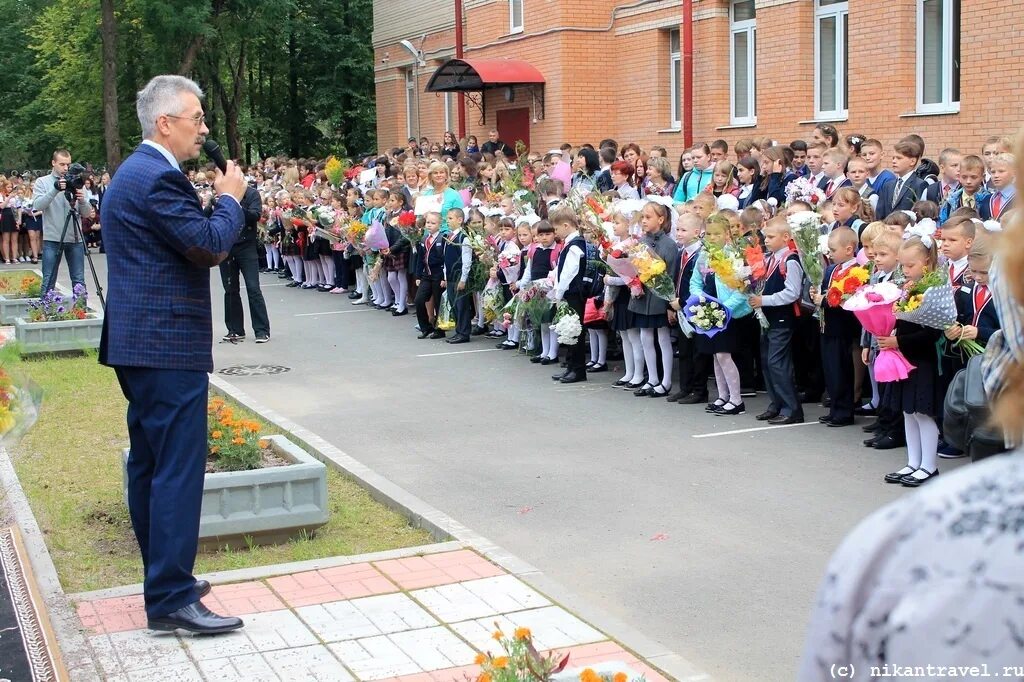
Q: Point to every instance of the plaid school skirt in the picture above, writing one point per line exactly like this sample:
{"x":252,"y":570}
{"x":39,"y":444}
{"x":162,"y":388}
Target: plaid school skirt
{"x":396,"y":263}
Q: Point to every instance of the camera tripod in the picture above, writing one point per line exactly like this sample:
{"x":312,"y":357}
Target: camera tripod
{"x":73,"y":220}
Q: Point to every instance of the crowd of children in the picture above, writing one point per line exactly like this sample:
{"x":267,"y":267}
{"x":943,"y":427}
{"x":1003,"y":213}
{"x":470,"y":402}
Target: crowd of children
{"x":486,"y":245}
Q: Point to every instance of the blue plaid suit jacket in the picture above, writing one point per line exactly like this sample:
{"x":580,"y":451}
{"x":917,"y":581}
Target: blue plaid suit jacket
{"x":160,"y":248}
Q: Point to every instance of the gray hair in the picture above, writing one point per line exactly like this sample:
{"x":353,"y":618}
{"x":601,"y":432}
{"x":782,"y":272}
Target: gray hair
{"x":159,"y":97}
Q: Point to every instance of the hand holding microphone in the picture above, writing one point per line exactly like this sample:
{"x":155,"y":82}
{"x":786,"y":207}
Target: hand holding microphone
{"x":229,"y":179}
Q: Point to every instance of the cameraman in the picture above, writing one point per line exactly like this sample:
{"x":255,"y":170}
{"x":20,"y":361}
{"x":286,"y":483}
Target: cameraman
{"x":244,"y":260}
{"x":48,"y":196}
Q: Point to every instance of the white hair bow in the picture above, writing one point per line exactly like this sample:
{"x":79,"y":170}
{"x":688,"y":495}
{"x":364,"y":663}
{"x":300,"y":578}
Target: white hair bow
{"x":924,"y":230}
{"x":992,"y":226}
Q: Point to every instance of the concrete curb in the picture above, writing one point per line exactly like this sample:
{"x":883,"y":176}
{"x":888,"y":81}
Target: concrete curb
{"x":74,"y":648}
{"x":444,"y":528}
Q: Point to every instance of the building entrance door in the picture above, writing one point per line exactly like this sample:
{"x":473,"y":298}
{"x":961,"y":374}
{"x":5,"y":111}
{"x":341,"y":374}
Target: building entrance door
{"x":514,"y":125}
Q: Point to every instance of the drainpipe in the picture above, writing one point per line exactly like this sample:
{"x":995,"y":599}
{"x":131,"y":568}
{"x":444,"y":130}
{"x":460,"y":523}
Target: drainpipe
{"x":458,"y":55}
{"x":687,"y":112}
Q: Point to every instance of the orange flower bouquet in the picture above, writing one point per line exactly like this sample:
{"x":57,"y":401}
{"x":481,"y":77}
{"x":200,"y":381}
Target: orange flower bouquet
{"x":845,"y":284}
{"x":519,"y":659}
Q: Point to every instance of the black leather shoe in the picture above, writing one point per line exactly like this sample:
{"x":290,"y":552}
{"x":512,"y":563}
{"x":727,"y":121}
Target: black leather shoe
{"x":558,"y":377}
{"x":598,"y":368}
{"x":887,"y":443}
{"x":782,"y":420}
{"x":424,"y":335}
{"x":836,"y":423}
{"x":674,"y":397}
{"x":458,"y":339}
{"x":202,"y":588}
{"x":897,"y":476}
{"x":354,"y":295}
{"x":692,"y":399}
{"x":911,"y":481}
{"x":825,"y":419}
{"x":870,"y":442}
{"x":291,"y":284}
{"x":573,"y":377}
{"x":477,"y":331}
{"x":547,"y":361}
{"x":644,"y":391}
{"x":536,"y":359}
{"x":195,"y":618}
{"x":437,"y":334}
{"x":767,"y":415}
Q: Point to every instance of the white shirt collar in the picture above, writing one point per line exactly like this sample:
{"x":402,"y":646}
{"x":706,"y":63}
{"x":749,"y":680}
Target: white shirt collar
{"x":783,"y":250}
{"x":906,"y":177}
{"x":163,"y":152}
{"x":693,"y":248}
{"x":848,"y":264}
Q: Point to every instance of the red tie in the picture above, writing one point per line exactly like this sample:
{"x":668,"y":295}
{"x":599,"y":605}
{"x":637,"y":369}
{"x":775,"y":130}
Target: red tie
{"x":997,"y":203}
{"x":683,"y":260}
{"x":981,"y":299}
{"x":952,"y":271}
{"x":426,"y":253}
{"x":828,"y":188}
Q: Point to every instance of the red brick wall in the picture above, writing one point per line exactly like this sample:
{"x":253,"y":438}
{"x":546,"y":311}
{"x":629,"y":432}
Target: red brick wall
{"x":615,"y":83}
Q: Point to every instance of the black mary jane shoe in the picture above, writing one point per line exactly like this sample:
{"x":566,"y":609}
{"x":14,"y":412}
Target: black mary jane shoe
{"x":658,"y":391}
{"x":644,"y":391}
{"x":730,"y":410}
{"x":619,"y":384}
{"x":897,"y":476}
{"x":598,"y":367}
{"x":711,"y":407}
{"x":424,"y":335}
{"x":912,"y":481}
{"x":536,"y":359}
{"x":634,"y":387}
{"x":399,"y":313}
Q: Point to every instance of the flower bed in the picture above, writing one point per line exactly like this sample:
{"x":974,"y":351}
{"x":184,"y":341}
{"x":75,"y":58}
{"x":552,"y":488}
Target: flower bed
{"x":58,"y":322}
{"x":18,"y":289}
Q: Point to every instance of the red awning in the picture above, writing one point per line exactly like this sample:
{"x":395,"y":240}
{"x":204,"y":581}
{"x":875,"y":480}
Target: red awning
{"x":474,"y":75}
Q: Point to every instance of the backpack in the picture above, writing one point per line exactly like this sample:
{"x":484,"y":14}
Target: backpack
{"x":965,"y":415}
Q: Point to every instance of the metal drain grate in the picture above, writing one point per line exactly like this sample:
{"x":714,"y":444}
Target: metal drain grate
{"x":254,"y":370}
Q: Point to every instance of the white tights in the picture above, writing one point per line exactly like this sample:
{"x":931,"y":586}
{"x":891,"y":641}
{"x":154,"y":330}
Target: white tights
{"x":327,"y":266}
{"x":922,"y":441}
{"x":633,"y":354}
{"x":313,"y":273}
{"x":478,"y":301}
{"x":387,"y":297}
{"x":399,"y":284}
{"x":513,"y":332}
{"x":361,"y":281}
{"x":548,"y":342}
{"x":295,"y":265}
{"x":651,"y":356}
{"x":598,"y":346}
{"x":727,"y":379}
{"x":273,"y":257}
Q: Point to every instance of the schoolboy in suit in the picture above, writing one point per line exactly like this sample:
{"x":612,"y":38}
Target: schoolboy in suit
{"x":971,"y":192}
{"x":694,"y":367}
{"x":878,"y":175}
{"x":569,"y":286}
{"x":833,"y":165}
{"x":1002,"y":192}
{"x":839,"y":330}
{"x":780,"y":303}
{"x":429,"y":273}
{"x":949,"y":177}
{"x":908,"y":187}
{"x":458,"y":259}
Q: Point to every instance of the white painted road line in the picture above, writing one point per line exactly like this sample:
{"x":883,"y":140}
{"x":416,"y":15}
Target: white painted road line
{"x":758,"y":428}
{"x":332,"y":312}
{"x":458,"y":352}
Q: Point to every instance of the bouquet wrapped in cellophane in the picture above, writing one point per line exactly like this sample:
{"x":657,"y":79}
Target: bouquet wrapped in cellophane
{"x":641,"y":268}
{"x":567,"y":324}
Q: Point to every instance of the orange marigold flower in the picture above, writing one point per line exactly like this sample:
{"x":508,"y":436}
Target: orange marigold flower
{"x":214,"y":450}
{"x":238,"y":441}
{"x":253,"y":427}
{"x":264,"y":443}
{"x":216,"y":435}
{"x":484,"y":677}
{"x":498,"y":635}
{"x":620,"y":677}
{"x":588,"y":675}
{"x":500,"y":662}
{"x":480,"y":659}
{"x":523,"y":633}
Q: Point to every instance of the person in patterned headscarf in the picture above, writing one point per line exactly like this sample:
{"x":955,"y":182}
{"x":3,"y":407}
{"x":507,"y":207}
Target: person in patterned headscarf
{"x":937,"y":577}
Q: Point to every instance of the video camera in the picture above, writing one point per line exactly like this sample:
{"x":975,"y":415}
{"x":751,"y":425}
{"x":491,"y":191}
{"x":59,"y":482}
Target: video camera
{"x":73,"y":180}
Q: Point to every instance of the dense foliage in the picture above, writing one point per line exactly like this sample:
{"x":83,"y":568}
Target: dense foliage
{"x":290,"y":77}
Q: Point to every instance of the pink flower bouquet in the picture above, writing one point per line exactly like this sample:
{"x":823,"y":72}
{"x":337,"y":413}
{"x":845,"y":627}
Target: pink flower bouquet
{"x":873,"y":306}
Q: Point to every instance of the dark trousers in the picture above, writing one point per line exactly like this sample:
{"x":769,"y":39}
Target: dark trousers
{"x":341,"y":275}
{"x":167,"y":432}
{"x":807,"y":355}
{"x":747,"y":354}
{"x":462,"y":308}
{"x":837,"y":363}
{"x":244,"y":260}
{"x":777,"y":361}
{"x":694,"y":368}
{"x":576,"y":354}
{"x":428,"y":289}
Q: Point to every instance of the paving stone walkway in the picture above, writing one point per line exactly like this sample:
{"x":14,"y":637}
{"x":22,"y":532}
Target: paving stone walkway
{"x":417,"y":619}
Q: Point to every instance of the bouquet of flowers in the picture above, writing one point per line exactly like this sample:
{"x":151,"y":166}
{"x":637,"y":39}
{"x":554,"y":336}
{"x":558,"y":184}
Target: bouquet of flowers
{"x":845,"y":284}
{"x":727,"y":264}
{"x":375,"y":239}
{"x":508,"y":261}
{"x":706,"y":314}
{"x":407,"y":224}
{"x":873,"y":307}
{"x":335,"y":169}
{"x":928,"y":302}
{"x":804,"y":189}
{"x":355,"y":232}
{"x":324,"y":216}
{"x":493,"y":300}
{"x":567,"y":324}
{"x":755,"y":276}
{"x":806,"y":231}
{"x":641,"y":267}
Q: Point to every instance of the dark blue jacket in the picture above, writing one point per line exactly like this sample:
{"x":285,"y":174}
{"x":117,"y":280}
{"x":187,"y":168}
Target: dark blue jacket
{"x":160,"y":248}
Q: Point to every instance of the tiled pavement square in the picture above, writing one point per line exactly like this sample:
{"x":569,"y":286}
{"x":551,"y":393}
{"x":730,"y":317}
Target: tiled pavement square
{"x":262,"y":632}
{"x":434,"y":648}
{"x":137,"y":650}
{"x":552,"y":627}
{"x":242,"y":598}
{"x":312,"y":663}
{"x":331,"y":584}
{"x":479,"y":598}
{"x":438,"y":569}
{"x":113,"y":615}
{"x":337,"y":621}
{"x":374,"y":658}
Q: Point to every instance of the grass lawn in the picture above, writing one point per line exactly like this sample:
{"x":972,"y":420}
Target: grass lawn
{"x":69,"y":466}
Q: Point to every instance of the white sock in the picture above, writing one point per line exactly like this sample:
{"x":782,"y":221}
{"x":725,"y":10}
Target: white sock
{"x":665,"y":342}
{"x":638,"y":356}
{"x":650,"y":356}
{"x":913,"y":433}
{"x":545,"y":341}
{"x":929,"y":441}
{"x":627,"y":356}
{"x":553,"y":341}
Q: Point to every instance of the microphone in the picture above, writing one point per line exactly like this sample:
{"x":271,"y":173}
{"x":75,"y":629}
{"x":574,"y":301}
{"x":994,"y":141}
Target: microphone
{"x":213,"y":151}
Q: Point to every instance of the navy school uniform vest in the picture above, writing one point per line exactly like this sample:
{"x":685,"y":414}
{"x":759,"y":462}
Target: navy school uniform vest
{"x":431,"y":264}
{"x":453,"y":255}
{"x":775,"y":282}
{"x":836,"y":322}
{"x":540,"y":264}
{"x":576,"y":286}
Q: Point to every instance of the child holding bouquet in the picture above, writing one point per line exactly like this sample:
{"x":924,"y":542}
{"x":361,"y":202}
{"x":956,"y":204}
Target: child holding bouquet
{"x":569,"y":287}
{"x":540,"y":260}
{"x":919,"y":396}
{"x":705,"y":282}
{"x":616,"y":302}
{"x":650,"y":310}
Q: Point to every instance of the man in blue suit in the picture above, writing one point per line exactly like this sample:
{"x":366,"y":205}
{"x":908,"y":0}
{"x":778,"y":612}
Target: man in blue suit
{"x":158,"y":337}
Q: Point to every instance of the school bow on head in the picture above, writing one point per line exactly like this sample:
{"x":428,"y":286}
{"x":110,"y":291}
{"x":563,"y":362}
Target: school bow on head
{"x":924,"y":230}
{"x":988,"y":225}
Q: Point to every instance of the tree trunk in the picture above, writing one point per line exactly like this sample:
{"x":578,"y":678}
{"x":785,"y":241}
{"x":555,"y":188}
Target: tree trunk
{"x":111,"y":125}
{"x":188,"y":60}
{"x":294,"y":115}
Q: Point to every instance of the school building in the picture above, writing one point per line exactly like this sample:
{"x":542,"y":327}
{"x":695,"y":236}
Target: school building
{"x":555,"y":71}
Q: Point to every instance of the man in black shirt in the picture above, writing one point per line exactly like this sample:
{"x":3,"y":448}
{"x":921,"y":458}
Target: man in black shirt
{"x":493,"y":144}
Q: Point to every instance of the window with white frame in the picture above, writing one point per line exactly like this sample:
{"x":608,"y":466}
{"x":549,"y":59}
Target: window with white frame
{"x":447,"y":96}
{"x":830,"y":59}
{"x":515,"y":16}
{"x":410,"y":102}
{"x":742,"y":76}
{"x":675,"y":70}
{"x":938,"y":56}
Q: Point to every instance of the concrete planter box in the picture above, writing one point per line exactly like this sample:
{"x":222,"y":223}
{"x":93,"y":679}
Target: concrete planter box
{"x":51,"y":337}
{"x":607,"y":670}
{"x":262,"y":506}
{"x":12,"y":307}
